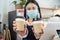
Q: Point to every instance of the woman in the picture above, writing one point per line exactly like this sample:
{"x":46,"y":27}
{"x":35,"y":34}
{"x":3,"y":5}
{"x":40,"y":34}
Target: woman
{"x":31,"y":13}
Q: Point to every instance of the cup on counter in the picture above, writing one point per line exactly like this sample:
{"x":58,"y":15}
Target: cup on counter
{"x":20,"y":24}
{"x":38,"y":25}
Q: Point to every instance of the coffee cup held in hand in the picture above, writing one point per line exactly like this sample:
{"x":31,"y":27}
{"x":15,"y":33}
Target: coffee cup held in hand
{"x":20,"y":24}
{"x":37,"y":25}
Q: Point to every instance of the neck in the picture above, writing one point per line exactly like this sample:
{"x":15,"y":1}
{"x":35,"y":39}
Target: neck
{"x":30,"y":21}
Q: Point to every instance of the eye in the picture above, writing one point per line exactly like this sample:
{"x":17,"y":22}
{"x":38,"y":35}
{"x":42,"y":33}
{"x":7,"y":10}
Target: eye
{"x":28,"y":8}
{"x":33,"y":8}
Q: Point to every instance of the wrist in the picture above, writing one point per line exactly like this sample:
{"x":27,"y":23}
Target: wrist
{"x":24,"y":34}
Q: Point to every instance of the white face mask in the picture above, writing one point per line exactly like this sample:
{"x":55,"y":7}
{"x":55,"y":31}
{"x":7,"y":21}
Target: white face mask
{"x":32,"y":13}
{"x":20,"y":12}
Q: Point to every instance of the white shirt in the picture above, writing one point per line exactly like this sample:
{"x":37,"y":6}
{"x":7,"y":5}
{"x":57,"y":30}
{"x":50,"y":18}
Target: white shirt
{"x":54,"y":19}
{"x":50,"y":30}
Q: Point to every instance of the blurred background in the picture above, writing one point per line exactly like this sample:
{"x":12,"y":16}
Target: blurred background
{"x":47,"y":8}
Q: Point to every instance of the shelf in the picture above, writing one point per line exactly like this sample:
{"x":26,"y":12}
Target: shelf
{"x":50,"y":8}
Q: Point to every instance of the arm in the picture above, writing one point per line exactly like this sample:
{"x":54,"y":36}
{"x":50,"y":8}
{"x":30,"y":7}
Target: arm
{"x":49,"y":33}
{"x":19,"y":37}
{"x":21,"y":34}
{"x":25,"y":34}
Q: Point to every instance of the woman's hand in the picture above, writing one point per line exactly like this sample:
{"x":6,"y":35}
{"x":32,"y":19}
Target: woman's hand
{"x":22,"y":33}
{"x":38,"y":34}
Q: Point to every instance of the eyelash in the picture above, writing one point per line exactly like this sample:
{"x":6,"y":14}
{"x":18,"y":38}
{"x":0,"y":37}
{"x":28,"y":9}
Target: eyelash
{"x":30,"y":9}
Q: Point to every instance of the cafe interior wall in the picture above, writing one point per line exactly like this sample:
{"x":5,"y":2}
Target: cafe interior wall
{"x":8,"y":6}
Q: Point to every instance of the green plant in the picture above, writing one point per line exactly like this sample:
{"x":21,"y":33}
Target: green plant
{"x":22,"y":2}
{"x":14,"y":2}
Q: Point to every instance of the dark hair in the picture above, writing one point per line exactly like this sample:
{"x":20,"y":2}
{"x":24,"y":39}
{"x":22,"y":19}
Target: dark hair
{"x":57,"y":15}
{"x":31,"y":1}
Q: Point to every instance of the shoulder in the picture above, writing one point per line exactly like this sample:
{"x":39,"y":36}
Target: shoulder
{"x":54,"y":19}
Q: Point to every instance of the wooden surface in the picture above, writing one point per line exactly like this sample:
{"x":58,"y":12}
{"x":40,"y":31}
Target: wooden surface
{"x":50,"y":8}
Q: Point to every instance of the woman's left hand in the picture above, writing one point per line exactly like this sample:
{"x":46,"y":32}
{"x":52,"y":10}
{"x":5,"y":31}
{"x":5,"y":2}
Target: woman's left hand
{"x":42,"y":31}
{"x":39,"y":33}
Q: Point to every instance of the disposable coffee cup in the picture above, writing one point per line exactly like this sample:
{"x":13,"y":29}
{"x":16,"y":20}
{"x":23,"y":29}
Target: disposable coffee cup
{"x":20,"y":24}
{"x":38,"y":25}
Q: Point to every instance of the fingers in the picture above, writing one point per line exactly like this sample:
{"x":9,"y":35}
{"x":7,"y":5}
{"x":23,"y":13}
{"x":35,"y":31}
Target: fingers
{"x":42,"y":31}
{"x":38,"y":33}
{"x":33,"y":29}
{"x":14,"y":25}
{"x":14,"y":22}
{"x":22,"y":33}
{"x":25,"y":25}
{"x":42,"y":25}
{"x":14,"y":28}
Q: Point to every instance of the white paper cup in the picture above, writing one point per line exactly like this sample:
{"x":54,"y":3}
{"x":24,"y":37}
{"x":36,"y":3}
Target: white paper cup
{"x":38,"y":25}
{"x":20,"y":24}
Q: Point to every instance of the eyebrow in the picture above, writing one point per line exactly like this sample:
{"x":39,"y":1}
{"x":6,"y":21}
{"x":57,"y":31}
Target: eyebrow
{"x":28,"y":8}
{"x":34,"y":8}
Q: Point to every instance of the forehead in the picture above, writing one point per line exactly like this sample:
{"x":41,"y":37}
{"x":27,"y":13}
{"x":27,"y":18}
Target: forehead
{"x":31,"y":5}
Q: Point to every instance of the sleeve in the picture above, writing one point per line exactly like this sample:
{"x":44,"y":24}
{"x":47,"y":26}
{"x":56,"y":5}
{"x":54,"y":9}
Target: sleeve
{"x":18,"y":37}
{"x":26,"y":33}
{"x":52,"y":19}
{"x":37,"y":37}
{"x":49,"y":33}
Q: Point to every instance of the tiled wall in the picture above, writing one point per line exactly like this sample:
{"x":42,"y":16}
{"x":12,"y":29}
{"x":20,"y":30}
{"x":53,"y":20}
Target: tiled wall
{"x":47,"y":13}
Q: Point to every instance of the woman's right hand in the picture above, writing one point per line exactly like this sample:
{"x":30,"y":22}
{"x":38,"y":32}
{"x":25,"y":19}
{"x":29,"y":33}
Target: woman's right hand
{"x":22,"y":33}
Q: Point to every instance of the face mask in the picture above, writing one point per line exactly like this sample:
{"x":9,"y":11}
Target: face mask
{"x":32,"y":13}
